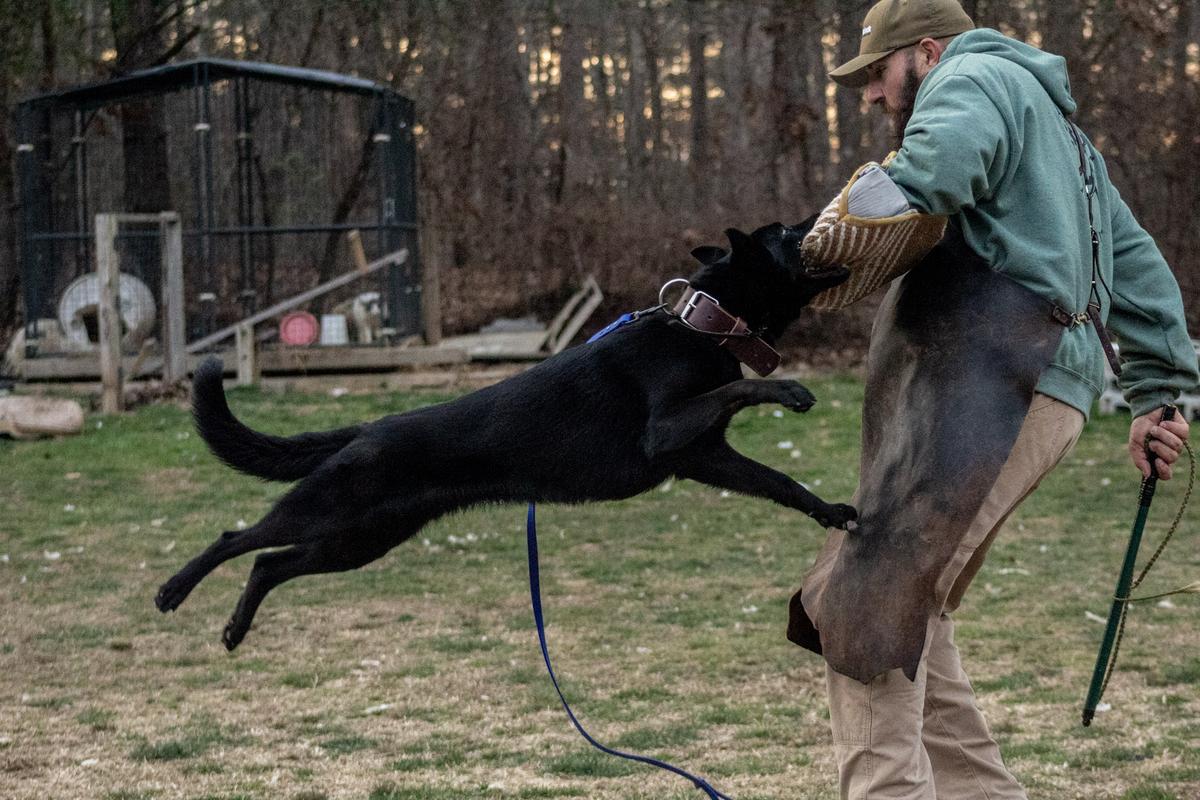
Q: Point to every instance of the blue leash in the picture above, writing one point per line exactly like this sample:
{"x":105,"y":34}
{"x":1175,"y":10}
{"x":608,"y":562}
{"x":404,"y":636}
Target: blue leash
{"x":535,"y":593}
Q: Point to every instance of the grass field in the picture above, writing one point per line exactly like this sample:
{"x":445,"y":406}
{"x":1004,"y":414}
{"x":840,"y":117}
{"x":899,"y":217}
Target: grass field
{"x":419,"y":677}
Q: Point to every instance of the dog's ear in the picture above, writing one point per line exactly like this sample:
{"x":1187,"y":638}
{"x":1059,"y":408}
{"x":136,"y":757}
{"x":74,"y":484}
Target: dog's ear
{"x":737,"y":239}
{"x":744,"y":245}
{"x":709,"y":255}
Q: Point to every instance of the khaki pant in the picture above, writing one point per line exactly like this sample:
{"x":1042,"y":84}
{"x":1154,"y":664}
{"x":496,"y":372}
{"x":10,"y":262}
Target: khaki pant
{"x":926,"y":739}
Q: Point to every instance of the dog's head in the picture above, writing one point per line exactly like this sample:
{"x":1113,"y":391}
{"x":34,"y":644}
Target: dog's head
{"x":763,"y":277}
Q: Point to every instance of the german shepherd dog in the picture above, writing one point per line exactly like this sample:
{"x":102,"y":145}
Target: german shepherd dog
{"x":603,"y":421}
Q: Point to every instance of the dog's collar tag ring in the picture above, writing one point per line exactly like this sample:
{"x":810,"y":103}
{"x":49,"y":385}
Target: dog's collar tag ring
{"x":662,"y":293}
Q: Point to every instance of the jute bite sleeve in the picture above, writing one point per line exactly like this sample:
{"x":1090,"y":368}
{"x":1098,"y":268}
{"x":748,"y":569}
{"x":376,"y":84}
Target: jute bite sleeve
{"x":875,"y":249}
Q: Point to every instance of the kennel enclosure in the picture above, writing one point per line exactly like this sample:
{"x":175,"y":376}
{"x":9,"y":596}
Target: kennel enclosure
{"x":270,"y":168}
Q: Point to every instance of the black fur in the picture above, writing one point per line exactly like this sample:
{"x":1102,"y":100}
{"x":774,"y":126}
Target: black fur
{"x":603,"y":421}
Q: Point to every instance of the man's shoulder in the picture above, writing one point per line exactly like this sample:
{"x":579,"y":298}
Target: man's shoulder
{"x":981,"y":67}
{"x":1005,"y":83}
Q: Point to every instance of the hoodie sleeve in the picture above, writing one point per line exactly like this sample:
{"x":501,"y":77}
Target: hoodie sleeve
{"x":956,"y":147}
{"x":1158,"y":359}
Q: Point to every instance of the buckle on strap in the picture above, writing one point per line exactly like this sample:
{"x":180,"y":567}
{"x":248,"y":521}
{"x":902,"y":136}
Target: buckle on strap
{"x":1067,"y":319}
{"x":692,"y":306}
{"x":702,"y":313}
{"x":1092,"y":316}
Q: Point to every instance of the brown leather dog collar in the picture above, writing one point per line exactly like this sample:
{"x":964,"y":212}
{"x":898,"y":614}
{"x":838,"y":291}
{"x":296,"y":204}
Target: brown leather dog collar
{"x":702,"y":312}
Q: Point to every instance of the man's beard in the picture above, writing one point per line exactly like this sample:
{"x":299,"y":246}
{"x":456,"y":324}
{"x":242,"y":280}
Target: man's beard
{"x":908,"y":98}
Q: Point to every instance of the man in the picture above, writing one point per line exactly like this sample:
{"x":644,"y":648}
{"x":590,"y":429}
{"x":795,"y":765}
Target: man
{"x":984,"y":140}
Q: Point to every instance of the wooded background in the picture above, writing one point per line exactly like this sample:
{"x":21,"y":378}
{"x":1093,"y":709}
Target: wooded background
{"x":559,"y":138}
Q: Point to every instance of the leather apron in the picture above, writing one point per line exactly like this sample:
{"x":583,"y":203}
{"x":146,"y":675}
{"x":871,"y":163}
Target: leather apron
{"x":955,"y":354}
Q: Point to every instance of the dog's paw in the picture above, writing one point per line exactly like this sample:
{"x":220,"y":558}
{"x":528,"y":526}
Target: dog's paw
{"x":233,"y":634}
{"x":838,"y":515}
{"x":795,"y":397}
{"x":171,"y":595}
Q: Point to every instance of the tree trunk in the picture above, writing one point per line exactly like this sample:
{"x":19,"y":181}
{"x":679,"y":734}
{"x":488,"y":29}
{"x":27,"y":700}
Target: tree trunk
{"x":17,"y":44}
{"x":699,"y":160}
{"x":137,"y":36}
{"x":849,"y":101}
{"x":574,"y":156}
{"x":650,"y":40}
{"x":1061,"y":25}
{"x":634,"y":108}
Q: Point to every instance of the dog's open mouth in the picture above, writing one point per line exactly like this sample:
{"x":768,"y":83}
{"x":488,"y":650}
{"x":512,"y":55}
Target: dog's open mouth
{"x":823,"y":273}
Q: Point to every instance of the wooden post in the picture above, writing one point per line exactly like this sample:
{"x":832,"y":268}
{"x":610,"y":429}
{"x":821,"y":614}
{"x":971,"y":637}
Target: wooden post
{"x":357,"y":251}
{"x":247,"y":356}
{"x":172,"y":307}
{"x":108,"y":272}
{"x":431,"y":294}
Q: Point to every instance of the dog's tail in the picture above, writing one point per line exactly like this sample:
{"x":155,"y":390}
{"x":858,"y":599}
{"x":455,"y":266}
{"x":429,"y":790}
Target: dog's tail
{"x":275,"y":458}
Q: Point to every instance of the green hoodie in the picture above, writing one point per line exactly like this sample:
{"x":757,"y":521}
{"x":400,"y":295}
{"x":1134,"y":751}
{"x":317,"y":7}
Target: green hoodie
{"x":988,"y":145}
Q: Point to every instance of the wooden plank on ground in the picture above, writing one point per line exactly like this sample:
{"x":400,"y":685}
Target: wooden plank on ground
{"x":327,"y":359}
{"x":512,"y":346}
{"x":342,"y":359}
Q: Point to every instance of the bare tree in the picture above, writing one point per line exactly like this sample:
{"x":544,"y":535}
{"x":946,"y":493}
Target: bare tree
{"x":559,"y":137}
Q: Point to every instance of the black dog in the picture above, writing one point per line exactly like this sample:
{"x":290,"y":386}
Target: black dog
{"x":603,"y":421}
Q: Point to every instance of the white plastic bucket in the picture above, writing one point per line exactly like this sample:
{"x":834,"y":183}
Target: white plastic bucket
{"x":333,"y":329}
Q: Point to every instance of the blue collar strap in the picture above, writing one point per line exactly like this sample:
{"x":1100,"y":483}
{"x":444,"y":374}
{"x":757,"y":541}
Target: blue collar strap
{"x":623,"y":320}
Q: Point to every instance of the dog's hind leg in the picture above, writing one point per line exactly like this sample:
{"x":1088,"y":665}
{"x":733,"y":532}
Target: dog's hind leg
{"x":229,"y":544}
{"x":327,"y":554}
{"x":674,"y":428}
{"x":726,"y":468}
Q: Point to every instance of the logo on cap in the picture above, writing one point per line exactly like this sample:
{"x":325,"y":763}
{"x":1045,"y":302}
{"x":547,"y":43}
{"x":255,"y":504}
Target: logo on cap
{"x":867,"y":31}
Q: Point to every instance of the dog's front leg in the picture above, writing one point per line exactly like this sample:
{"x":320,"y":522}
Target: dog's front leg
{"x":726,"y":468}
{"x":675,"y":428}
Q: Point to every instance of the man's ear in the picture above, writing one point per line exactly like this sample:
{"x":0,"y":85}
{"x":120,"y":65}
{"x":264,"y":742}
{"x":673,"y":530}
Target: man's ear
{"x":709,"y":255}
{"x":928,"y":54}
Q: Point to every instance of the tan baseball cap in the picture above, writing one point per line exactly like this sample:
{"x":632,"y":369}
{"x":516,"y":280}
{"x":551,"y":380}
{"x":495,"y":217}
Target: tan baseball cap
{"x":893,"y":24}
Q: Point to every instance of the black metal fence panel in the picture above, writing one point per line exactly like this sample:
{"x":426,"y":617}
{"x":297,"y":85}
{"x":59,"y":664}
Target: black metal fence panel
{"x":268,"y":169}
